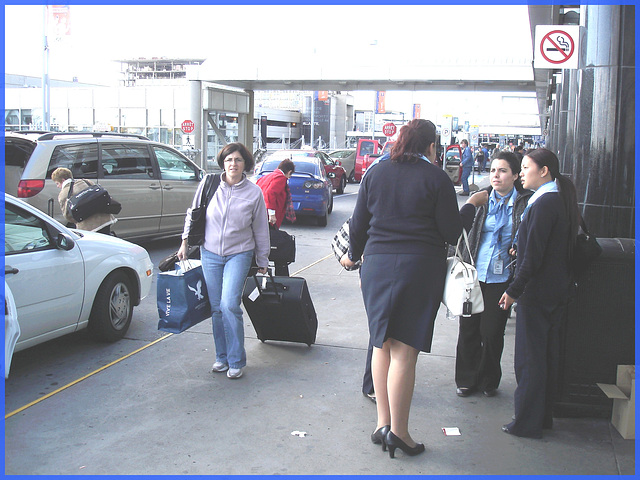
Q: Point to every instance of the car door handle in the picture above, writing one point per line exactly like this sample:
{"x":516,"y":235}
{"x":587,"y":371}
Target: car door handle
{"x":167,"y":187}
{"x":153,"y":186}
{"x":9,"y":269}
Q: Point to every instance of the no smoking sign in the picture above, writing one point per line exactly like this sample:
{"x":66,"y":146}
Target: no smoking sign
{"x":558,"y":46}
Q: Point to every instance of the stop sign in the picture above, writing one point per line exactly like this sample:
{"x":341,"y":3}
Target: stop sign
{"x":188,"y":126}
{"x":389,"y":129}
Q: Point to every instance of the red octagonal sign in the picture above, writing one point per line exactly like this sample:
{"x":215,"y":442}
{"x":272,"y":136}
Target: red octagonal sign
{"x":188,"y":126}
{"x":389,"y":129}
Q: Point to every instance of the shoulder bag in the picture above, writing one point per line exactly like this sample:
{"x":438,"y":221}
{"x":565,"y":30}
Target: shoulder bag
{"x":585,"y":250}
{"x":88,"y":202}
{"x":340,"y":245}
{"x":462,"y":293}
{"x":198,"y":214}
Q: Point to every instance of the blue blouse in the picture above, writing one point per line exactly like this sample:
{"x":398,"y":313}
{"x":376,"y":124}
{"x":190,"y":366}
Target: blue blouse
{"x":494,"y":244}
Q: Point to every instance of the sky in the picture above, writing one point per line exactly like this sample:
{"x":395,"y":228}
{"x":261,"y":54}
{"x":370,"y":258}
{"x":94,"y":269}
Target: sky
{"x":102,"y":34}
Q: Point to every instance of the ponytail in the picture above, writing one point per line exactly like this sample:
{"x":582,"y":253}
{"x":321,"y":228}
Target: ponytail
{"x":546,"y":158}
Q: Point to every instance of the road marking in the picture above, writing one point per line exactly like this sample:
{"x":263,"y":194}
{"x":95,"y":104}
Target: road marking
{"x":312,"y":264}
{"x":8,"y":415}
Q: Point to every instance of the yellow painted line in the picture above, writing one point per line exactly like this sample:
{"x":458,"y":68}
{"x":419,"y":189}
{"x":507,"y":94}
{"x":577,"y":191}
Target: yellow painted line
{"x":8,"y":415}
{"x":312,"y":264}
{"x":11,"y":414}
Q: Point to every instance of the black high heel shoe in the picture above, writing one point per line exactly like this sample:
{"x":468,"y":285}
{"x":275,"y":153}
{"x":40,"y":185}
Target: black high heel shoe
{"x":394,"y":442}
{"x":378,"y":437}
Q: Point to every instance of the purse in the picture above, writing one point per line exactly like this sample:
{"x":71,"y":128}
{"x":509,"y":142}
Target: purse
{"x":462,"y":294}
{"x":182,"y":297}
{"x":585,"y":250}
{"x":199,"y":214}
{"x":283,"y":246}
{"x":340,"y":245}
{"x":169,"y":262}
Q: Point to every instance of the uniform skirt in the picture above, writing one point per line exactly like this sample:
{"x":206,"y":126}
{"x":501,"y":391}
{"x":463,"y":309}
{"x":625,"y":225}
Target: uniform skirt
{"x":402,"y":295}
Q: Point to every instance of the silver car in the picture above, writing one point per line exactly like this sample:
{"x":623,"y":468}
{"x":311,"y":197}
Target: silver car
{"x":64,"y":280}
{"x":154,"y":183}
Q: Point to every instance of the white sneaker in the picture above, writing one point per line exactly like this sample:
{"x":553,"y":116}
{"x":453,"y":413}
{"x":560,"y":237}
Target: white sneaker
{"x":219,"y":367}
{"x":234,"y":373}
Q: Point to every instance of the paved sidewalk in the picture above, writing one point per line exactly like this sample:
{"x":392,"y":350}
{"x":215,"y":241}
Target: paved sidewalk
{"x":161,"y":411}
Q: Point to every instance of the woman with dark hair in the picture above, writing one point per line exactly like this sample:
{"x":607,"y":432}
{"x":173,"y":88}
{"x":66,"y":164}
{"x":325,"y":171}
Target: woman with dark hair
{"x":405,"y":213}
{"x":541,"y":285}
{"x":481,"y":336}
{"x":236,"y":228}
{"x":277,"y":198}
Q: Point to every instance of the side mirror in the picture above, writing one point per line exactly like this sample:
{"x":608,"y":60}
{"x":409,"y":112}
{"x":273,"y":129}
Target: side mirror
{"x":331,"y":175}
{"x":64,"y":242}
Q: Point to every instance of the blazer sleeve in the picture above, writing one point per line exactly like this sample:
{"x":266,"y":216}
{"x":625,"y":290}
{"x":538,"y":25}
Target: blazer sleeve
{"x":359,"y":224}
{"x":448,"y":219}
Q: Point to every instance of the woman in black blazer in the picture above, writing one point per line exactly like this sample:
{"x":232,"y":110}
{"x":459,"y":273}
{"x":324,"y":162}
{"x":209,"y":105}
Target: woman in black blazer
{"x":541,"y":286}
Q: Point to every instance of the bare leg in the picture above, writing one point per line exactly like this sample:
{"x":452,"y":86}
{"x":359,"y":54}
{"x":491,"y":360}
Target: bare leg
{"x":400,"y":382}
{"x":379,"y":371}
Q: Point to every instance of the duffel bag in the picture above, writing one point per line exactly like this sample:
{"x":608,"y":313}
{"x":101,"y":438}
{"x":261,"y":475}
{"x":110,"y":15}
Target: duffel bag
{"x":92,"y":200}
{"x":283,"y":246}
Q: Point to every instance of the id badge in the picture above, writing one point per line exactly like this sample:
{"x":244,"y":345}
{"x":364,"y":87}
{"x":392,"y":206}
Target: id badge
{"x":498,"y":266}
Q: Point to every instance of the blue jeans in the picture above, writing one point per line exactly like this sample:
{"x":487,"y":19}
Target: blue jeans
{"x":465,"y":179}
{"x":225,"y":278}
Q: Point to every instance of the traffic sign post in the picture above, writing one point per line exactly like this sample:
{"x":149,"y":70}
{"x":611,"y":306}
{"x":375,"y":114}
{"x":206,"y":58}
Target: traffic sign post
{"x":445,"y":130}
{"x":389,"y":129}
{"x":558,"y":46}
{"x":188,"y":126}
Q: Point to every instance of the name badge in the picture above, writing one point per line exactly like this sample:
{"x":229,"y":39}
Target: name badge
{"x":498,"y":266}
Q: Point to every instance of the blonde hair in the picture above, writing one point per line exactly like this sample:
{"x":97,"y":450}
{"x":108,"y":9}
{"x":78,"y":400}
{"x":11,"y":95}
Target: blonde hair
{"x":61,"y":174}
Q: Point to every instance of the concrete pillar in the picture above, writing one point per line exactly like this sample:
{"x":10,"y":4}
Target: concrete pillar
{"x":245,"y":133}
{"x":605,"y":122}
{"x":195,"y":113}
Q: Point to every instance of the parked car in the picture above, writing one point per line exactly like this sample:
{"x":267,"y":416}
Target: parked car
{"x":453,"y":163}
{"x":311,"y":189}
{"x":154,"y":183}
{"x":64,"y":280}
{"x":347,"y":158}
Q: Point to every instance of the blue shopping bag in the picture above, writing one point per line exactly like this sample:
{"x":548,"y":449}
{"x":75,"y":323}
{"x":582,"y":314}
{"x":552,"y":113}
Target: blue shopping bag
{"x":182,"y":297}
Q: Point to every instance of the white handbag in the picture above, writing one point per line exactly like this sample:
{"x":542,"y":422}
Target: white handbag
{"x":462,"y":293}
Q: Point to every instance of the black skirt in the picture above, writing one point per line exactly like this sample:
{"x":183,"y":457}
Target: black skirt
{"x":402,"y":295}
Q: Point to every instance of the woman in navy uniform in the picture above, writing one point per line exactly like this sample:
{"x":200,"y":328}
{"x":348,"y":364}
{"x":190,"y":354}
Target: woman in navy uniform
{"x":541,"y":286}
{"x":405,"y":213}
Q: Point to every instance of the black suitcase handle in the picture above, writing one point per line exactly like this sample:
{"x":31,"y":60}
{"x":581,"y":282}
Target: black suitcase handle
{"x":275,"y":285}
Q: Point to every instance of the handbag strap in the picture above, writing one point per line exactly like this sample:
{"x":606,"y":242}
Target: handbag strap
{"x":211,"y":184}
{"x":466,"y":242}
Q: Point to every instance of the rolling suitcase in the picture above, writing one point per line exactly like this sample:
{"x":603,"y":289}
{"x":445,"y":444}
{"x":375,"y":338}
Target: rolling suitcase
{"x":280,"y":308}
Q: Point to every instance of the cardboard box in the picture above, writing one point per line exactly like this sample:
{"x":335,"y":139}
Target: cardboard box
{"x":623,"y":393}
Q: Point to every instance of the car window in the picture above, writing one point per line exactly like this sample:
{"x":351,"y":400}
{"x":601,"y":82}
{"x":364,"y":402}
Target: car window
{"x":324,"y":159}
{"x":81,"y":159}
{"x":174,"y":167}
{"x":126,"y":161}
{"x":24,"y":231}
{"x":341,"y":154}
{"x":306,"y":167}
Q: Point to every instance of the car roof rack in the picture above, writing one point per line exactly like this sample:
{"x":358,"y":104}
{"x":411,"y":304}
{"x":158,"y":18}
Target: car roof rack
{"x":41,"y":132}
{"x":51,"y":136}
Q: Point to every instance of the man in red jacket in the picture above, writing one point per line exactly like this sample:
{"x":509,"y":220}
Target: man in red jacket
{"x":278,"y":198}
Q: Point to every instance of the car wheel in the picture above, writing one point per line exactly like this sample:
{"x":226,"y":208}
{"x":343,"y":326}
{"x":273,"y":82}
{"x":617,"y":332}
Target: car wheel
{"x":112,"y":309}
{"x":352,"y":176}
{"x":322,"y":221}
{"x":343,"y":184}
{"x":330,"y":206}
